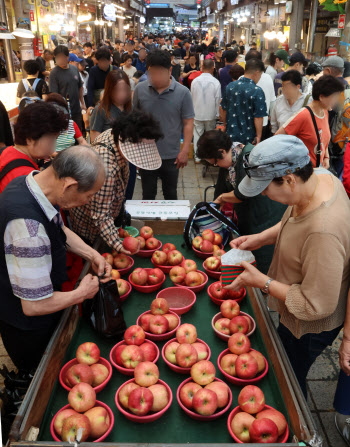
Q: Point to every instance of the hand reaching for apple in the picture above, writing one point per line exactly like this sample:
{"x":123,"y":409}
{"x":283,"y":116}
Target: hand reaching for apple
{"x":250,"y":277}
{"x":88,"y":287}
{"x":101,"y":267}
{"x":126,"y":252}
{"x":344,"y":356}
{"x":251,"y":242}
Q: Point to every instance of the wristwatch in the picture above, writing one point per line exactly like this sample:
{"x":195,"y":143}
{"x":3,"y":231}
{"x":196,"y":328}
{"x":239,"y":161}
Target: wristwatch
{"x":266,"y":287}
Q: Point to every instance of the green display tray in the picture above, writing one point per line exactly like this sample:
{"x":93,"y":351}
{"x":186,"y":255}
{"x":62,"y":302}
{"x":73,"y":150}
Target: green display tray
{"x":174,"y":426}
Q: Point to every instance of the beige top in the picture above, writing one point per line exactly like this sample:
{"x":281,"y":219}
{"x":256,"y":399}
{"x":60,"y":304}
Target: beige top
{"x":312,"y":254}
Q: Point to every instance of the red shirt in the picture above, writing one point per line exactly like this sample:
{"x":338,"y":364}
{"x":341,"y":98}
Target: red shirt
{"x":10,"y":154}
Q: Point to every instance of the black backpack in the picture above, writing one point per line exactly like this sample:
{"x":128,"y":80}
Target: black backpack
{"x":14,"y":164}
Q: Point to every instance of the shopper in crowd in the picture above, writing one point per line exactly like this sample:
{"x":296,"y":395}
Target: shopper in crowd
{"x":150,"y":45}
{"x":78,"y":51}
{"x":175,"y":64}
{"x":98,"y":74}
{"x":236,"y":71}
{"x":185,"y":51}
{"x":254,"y":214}
{"x":219,"y":63}
{"x":325,"y":93}
{"x":140,"y":62}
{"x":241,"y":56}
{"x":87,"y":55}
{"x":130,"y":50}
{"x":44,"y":63}
{"x":334,"y":66}
{"x":65,"y":80}
{"x":6,"y":138}
{"x":170,"y":103}
{"x":33,"y":256}
{"x":74,"y":59}
{"x":224,"y":74}
{"x":32,"y":83}
{"x":131,"y":139}
{"x":206,"y":96}
{"x":189,"y":68}
{"x":71,"y":41}
{"x":84,"y":76}
{"x":137,"y":76}
{"x":116,"y":53}
{"x":137,"y":44}
{"x":314,"y":229}
{"x":244,"y":105}
{"x":297,"y":61}
{"x":128,"y":68}
{"x":312,"y":71}
{"x":291,"y":100}
{"x":276,"y":63}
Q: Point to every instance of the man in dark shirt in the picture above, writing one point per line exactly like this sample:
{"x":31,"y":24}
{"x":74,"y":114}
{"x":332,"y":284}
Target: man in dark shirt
{"x":46,"y":57}
{"x":150,"y":45}
{"x":140,"y":62}
{"x":98,"y":74}
{"x":87,"y":55}
{"x":65,"y":80}
{"x":224,"y":75}
{"x":130,"y":50}
{"x":32,"y":68}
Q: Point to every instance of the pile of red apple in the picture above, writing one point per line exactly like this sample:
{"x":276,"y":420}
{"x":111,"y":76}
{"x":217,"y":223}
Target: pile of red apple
{"x":144,"y":395}
{"x":123,"y":286}
{"x":232,"y":322}
{"x":87,"y":370}
{"x":218,"y":292}
{"x":181,"y":275}
{"x":243,"y":362}
{"x":209,"y":242}
{"x":142,"y":277}
{"x":167,"y":256}
{"x":255,"y":423}
{"x":213,"y":263}
{"x":92,"y":421}
{"x":204,"y":395}
{"x":135,"y":350}
{"x":186,"y":351}
{"x":159,"y":321}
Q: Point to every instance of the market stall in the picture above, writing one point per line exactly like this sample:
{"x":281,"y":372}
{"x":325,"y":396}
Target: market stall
{"x":46,"y":395}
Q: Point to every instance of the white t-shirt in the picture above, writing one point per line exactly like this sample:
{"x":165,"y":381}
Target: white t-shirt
{"x":271,"y":72}
{"x":129,"y":71}
{"x":267,"y":85}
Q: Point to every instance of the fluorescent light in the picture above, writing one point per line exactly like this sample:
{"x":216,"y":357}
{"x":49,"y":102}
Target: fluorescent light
{"x":21,"y":32}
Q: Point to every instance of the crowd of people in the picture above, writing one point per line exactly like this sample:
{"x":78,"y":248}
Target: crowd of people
{"x":276,"y":127}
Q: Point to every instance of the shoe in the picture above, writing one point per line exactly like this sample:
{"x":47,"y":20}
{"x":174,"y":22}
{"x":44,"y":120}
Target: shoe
{"x":342,"y":422}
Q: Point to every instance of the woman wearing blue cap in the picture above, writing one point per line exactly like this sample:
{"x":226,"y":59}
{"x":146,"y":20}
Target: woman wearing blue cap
{"x":308,"y":281}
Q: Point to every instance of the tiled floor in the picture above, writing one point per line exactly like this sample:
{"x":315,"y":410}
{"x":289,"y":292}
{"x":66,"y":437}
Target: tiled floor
{"x":322,"y":379}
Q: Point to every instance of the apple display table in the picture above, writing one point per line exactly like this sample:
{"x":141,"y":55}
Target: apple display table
{"x":46,"y":396}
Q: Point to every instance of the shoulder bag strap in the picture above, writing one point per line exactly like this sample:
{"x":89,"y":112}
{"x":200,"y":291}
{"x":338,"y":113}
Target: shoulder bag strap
{"x":36,"y":82}
{"x":318,"y":152}
{"x":13,"y":165}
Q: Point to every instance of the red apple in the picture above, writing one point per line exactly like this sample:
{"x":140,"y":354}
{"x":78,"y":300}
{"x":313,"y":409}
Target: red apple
{"x":217,"y":239}
{"x":140,"y":401}
{"x":121,"y":261}
{"x":115,"y":274}
{"x":250,"y":325}
{"x":218,"y":251}
{"x":223,"y":326}
{"x":144,"y":322}
{"x":203,"y":372}
{"x":152,"y":243}
{"x":208,"y":235}
{"x":189,"y":265}
{"x":186,"y":355}
{"x":134,"y":335}
{"x":149,"y":352}
{"x":201,"y":349}
{"x":239,"y":343}
{"x":60,"y":418}
{"x":212,"y":263}
{"x":246,"y":366}
{"x":263,"y":431}
{"x":218,"y":291}
{"x":88,"y":353}
{"x":131,"y":356}
{"x":139,"y":276}
{"x":196,"y":243}
{"x":234,"y":294}
{"x":155,"y":276}
{"x":276,"y":417}
{"x":99,"y":421}
{"x":187,"y":392}
{"x":146,"y":232}
{"x":170,"y":352}
{"x":142,"y":242}
{"x":205,"y":402}
{"x":100,"y":373}
{"x":173,"y":321}
{"x":228,"y":363}
{"x":82,"y":397}
{"x":124,"y":393}
{"x":239,"y":324}
{"x":108,"y":257}
{"x":177,"y":275}
{"x":251,"y":399}
{"x":146,"y":374}
{"x":160,"y":397}
{"x":168,"y":247}
{"x":260,"y":359}
{"x":131,"y":244}
{"x":230,"y":309}
{"x":73,"y":424}
{"x":79,"y":373}
{"x":159,"y":257}
{"x":118,"y":353}
{"x":221,"y":390}
{"x":121,"y":232}
{"x":186,"y":333}
{"x":174,"y":257}
{"x":193,"y":279}
{"x":240,"y":425}
{"x":206,"y":247}
{"x":159,"y":306}
{"x":158,"y":325}
{"x":123,"y":286}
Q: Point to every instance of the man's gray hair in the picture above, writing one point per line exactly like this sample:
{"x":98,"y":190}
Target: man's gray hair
{"x":81,"y":163}
{"x":335,"y":71}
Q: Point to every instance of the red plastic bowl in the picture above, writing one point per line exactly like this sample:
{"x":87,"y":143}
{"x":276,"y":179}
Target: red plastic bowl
{"x":179,"y":369}
{"x":237,"y":380}
{"x":148,"y":253}
{"x":281,"y":440}
{"x":166,"y":268}
{"x":226,"y":337}
{"x":98,"y":388}
{"x":146,"y":289}
{"x":180,"y":299}
{"x":148,"y":417}
{"x":127,"y":269}
{"x":97,"y":404}
{"x":218,"y":301}
{"x":199,"y":417}
{"x":196,"y":288}
{"x":212,"y":273}
{"x":202,"y":255}
{"x":160,"y":337}
{"x":124,"y":297}
{"x":121,"y":369}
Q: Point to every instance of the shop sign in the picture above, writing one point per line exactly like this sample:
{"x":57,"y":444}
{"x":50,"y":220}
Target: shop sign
{"x":219,"y":5}
{"x":109,"y":12}
{"x":322,"y":26}
{"x":341,"y":21}
{"x":31,"y":15}
{"x":45,"y":3}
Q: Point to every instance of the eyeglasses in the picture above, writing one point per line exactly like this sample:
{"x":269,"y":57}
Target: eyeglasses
{"x":248,"y":168}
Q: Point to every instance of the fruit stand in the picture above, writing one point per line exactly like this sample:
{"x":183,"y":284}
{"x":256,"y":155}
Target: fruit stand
{"x":46,"y":396}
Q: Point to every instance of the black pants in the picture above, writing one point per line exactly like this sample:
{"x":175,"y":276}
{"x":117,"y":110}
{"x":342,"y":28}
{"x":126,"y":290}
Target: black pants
{"x":303,"y":351}
{"x":78,"y":119}
{"x":169,"y":176}
{"x":25,"y":348}
{"x":131,"y":183}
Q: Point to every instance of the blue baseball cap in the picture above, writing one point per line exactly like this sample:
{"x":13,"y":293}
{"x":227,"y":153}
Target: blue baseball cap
{"x":74,"y":58}
{"x":272,"y":158}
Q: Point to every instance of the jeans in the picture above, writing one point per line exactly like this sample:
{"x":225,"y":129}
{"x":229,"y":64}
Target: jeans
{"x":131,"y":183}
{"x":168,"y":173}
{"x":342,"y":394}
{"x":303,"y":351}
{"x":199,"y":128}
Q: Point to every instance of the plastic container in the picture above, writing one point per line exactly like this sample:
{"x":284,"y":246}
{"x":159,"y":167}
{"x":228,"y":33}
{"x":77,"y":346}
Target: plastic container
{"x":97,"y":404}
{"x":146,"y":289}
{"x":237,"y":380}
{"x":134,"y":232}
{"x":180,"y":299}
{"x":121,"y":369}
{"x":219,"y":301}
{"x":226,"y":337}
{"x":151,"y":417}
{"x":65,"y":368}
{"x":198,"y":417}
{"x":202,"y":255}
{"x":160,"y":337}
{"x":281,"y":440}
{"x":124,"y":297}
{"x":166,"y":268}
{"x":212,"y":273}
{"x":148,"y":253}
{"x":179,"y":369}
{"x":127,"y":269}
{"x":196,"y":289}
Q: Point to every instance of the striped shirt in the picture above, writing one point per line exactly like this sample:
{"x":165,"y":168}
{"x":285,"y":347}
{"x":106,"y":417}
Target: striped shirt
{"x":28,"y":250}
{"x":67,"y":137}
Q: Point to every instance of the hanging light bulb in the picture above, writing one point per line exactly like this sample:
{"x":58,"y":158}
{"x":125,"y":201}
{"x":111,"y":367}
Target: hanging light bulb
{"x":71,"y":22}
{"x":88,"y":28}
{"x":109,"y":23}
{"x":242,"y":36}
{"x":273,"y":35}
{"x":102,"y":22}
{"x":97,"y":22}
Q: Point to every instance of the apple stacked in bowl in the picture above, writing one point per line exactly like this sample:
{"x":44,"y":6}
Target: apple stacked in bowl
{"x":147,"y":240}
{"x":231,"y":321}
{"x":255,"y":422}
{"x":168,"y":256}
{"x":217,"y":292}
{"x":159,"y":320}
{"x":150,"y":277}
{"x":209,"y":242}
{"x":186,"y":274}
